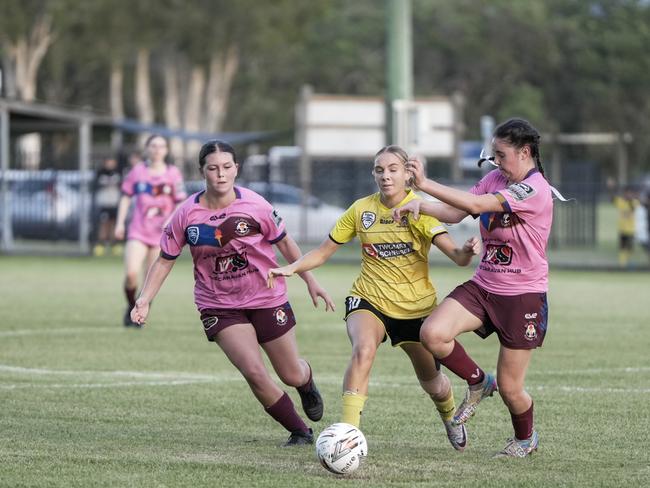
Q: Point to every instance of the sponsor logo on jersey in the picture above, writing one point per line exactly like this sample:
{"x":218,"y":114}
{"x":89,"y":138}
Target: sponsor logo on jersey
{"x":498,"y":254}
{"x":193,"y":234}
{"x":281,"y":316}
{"x":530,"y":333}
{"x":367,"y":219}
{"x":506,"y":221}
{"x":386,"y":220}
{"x":388,"y":250}
{"x":276,"y":217}
{"x":218,"y":217}
{"x":209,"y":322}
{"x":242,"y":228}
{"x":231,"y":263}
{"x":521,"y":191}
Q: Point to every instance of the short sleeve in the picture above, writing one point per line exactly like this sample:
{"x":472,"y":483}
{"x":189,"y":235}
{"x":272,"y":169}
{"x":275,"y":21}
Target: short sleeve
{"x":128,"y":185}
{"x":428,"y":226}
{"x":524,"y":197}
{"x":272,"y":224}
{"x":345,"y":228}
{"x":173,"y":240}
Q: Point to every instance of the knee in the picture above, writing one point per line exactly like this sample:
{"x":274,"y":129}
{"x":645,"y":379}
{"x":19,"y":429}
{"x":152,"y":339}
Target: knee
{"x":295,"y":377}
{"x":433,"y":336}
{"x":510,"y":392}
{"x":363,"y":355}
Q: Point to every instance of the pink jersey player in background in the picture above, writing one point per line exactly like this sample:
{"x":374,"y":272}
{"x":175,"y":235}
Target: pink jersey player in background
{"x":156,"y":188}
{"x":507,"y":293}
{"x":230,"y":232}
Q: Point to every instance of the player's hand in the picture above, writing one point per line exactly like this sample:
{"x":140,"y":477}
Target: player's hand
{"x":415,"y":166}
{"x":413,"y":206}
{"x":315,"y":291}
{"x":273,"y":272}
{"x":140,"y":312}
{"x":472,"y":246}
{"x":119,"y":232}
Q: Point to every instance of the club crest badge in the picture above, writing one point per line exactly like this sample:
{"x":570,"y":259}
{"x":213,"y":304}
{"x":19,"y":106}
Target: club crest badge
{"x":193,"y":234}
{"x":281,"y":316}
{"x":531,"y":332}
{"x":242,"y":228}
{"x":367,"y":219}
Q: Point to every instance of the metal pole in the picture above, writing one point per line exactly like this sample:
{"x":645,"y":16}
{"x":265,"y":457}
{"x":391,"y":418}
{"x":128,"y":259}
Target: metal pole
{"x":84,"y":170}
{"x":7,"y":238}
{"x":399,"y":74}
{"x":305,"y":161}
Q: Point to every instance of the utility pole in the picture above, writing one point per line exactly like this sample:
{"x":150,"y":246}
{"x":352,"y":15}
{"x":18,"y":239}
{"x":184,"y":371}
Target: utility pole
{"x":399,"y":54}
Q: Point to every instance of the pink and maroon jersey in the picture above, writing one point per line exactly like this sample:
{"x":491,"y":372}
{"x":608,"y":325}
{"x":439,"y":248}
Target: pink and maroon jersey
{"x":156,"y":197}
{"x":232,"y":249}
{"x":515,"y":240}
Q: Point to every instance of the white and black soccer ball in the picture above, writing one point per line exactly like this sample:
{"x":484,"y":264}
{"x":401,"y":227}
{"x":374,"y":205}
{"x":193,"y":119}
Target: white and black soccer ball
{"x":341,"y":448}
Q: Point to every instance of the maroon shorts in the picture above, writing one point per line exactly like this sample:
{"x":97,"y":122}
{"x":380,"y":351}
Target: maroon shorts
{"x":269,"y":323}
{"x":520,"y":321}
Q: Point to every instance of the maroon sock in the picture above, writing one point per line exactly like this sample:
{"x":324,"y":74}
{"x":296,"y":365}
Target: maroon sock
{"x":130,"y":296}
{"x":523,"y":423}
{"x":284,"y":413}
{"x":308,"y":385}
{"x":462,"y":365}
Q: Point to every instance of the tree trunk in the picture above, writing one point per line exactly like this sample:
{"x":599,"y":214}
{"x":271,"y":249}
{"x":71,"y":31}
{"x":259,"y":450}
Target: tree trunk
{"x":143,"y":98}
{"x":196,"y":91}
{"x":173,"y":109}
{"x":223,"y":68}
{"x":116,"y":101}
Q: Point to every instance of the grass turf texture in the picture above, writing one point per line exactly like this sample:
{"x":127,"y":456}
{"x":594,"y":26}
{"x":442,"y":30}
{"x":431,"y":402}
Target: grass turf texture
{"x":86,"y":402}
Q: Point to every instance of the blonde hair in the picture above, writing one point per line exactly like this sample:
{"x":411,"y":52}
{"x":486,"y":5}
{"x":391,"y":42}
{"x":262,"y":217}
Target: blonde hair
{"x":400,"y":153}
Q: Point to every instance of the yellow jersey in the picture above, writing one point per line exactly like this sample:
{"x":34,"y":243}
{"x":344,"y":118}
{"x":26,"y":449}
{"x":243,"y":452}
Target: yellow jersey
{"x":394,"y":256}
{"x":626,"y":208}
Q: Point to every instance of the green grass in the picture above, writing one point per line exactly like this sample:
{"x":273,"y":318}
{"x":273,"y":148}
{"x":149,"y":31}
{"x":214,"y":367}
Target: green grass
{"x":85,"y":402}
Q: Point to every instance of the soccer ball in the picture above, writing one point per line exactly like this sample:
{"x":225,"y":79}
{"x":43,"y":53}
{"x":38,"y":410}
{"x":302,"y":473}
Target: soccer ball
{"x":341,"y":448}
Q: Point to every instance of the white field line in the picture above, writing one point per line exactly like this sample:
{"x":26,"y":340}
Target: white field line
{"x":177,"y":379}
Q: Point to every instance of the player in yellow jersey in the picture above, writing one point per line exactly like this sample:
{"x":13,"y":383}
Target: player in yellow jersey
{"x":392,"y":295}
{"x":626,"y":206}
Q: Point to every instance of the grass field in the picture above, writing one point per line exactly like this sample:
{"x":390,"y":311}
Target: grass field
{"x":85,"y":402}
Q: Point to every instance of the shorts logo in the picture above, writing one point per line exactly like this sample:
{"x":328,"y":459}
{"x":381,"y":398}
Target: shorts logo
{"x":209,"y":322}
{"x":495,"y":254}
{"x":281,"y":316}
{"x":193,"y":234}
{"x":367,"y":219}
{"x":531,"y":332}
{"x":242,"y":228}
{"x":521,"y":191}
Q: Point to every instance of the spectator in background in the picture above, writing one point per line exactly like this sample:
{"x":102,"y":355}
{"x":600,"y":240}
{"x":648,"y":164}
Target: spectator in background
{"x":626,"y":205}
{"x":106,"y":190}
{"x":156,"y":188}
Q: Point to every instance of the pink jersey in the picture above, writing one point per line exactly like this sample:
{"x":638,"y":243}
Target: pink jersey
{"x":232,"y":249}
{"x":515,"y":240}
{"x":156,"y":197}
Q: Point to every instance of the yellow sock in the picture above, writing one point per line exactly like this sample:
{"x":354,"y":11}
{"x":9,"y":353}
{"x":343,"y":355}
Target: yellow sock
{"x":352,"y":407}
{"x":446,"y":407}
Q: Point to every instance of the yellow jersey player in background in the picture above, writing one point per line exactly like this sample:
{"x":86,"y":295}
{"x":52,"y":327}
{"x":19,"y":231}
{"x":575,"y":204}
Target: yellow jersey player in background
{"x":393,"y":294}
{"x":626,"y":205}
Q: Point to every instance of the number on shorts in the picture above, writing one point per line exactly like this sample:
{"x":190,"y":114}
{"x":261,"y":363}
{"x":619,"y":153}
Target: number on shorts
{"x":353,"y":302}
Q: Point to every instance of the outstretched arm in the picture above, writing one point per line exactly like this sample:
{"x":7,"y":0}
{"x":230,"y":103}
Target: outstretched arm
{"x":156,"y":275}
{"x":291,"y":252}
{"x":458,"y":199}
{"x":443,"y":212}
{"x":462,"y":256}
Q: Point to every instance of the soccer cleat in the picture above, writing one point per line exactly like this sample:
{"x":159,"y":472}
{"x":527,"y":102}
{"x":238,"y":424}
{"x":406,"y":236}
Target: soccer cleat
{"x":300,"y":438}
{"x":127,"y":319}
{"x":457,"y":435}
{"x":312,"y":402}
{"x":473,"y":397}
{"x":519,"y":449}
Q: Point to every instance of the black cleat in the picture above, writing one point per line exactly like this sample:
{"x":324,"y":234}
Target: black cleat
{"x":127,"y":319}
{"x":300,"y":438}
{"x":312,"y":402}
